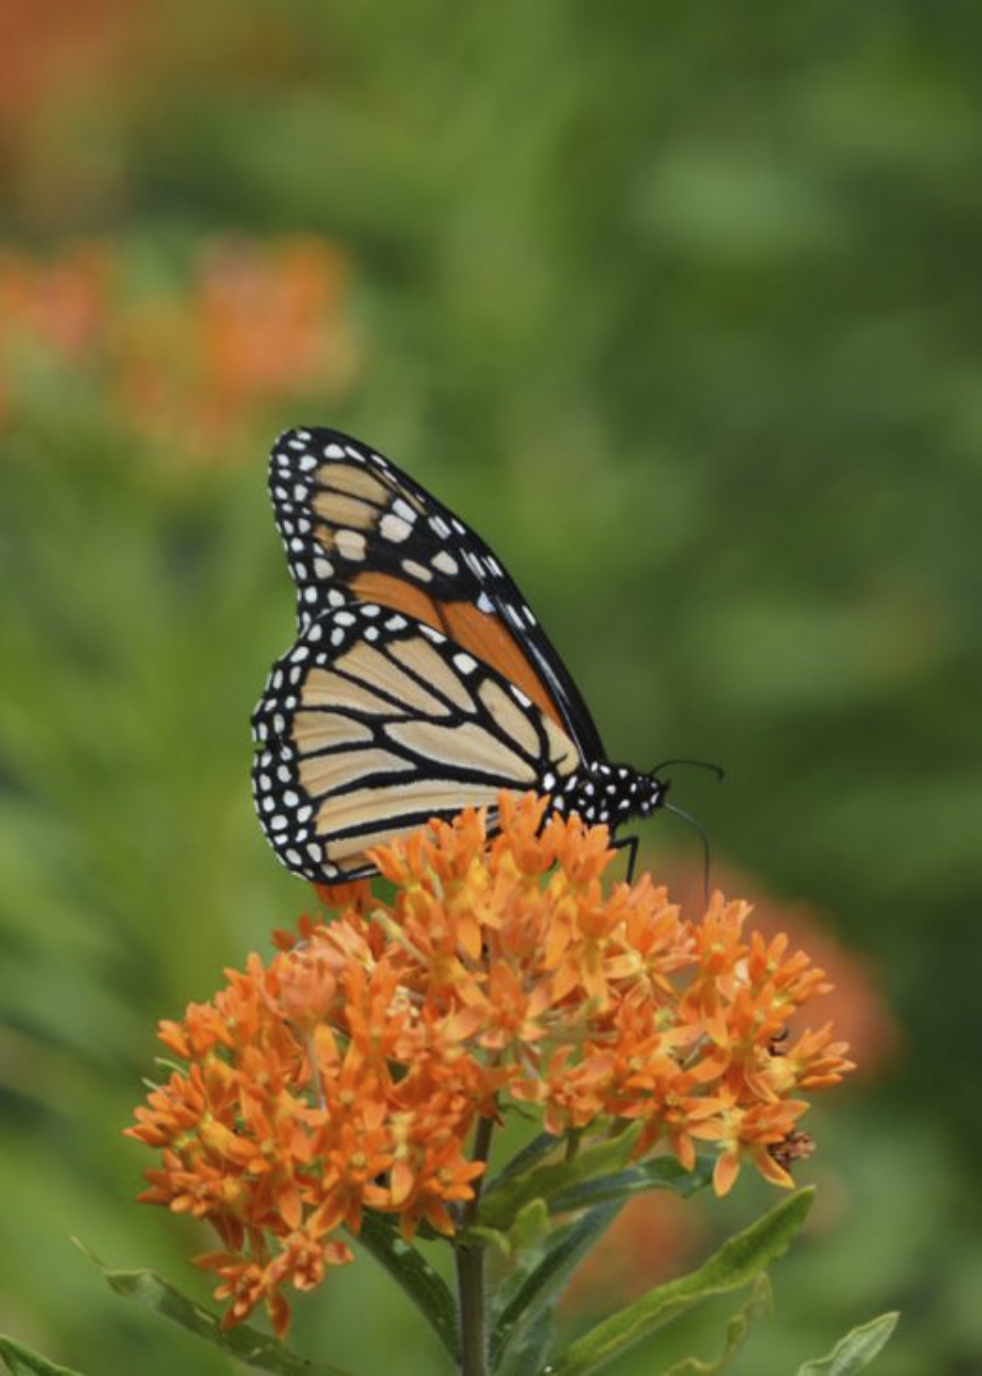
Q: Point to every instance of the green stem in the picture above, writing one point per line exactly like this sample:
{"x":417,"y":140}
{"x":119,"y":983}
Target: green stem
{"x":470,"y":1276}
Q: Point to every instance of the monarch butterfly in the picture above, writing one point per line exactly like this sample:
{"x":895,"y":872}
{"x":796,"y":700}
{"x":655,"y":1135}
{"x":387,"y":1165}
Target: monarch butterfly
{"x":420,"y":682}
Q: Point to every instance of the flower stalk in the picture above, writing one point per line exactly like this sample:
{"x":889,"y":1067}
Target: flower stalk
{"x":471,"y":1285}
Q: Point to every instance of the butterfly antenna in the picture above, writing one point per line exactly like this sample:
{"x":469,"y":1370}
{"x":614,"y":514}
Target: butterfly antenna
{"x":696,"y":764}
{"x":700,"y":832}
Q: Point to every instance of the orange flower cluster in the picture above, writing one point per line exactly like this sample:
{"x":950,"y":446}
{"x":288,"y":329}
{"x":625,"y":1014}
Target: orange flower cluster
{"x":857,"y":1004}
{"x":252,"y":323}
{"x":350,"y":1072}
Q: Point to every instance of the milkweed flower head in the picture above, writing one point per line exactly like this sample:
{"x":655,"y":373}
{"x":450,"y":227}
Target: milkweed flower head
{"x":350,"y":1072}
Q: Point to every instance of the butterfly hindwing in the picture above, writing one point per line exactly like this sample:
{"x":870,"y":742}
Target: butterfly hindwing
{"x":375,"y":722}
{"x":359,"y":530}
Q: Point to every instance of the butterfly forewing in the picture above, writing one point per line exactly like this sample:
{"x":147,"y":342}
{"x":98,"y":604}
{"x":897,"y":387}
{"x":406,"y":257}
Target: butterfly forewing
{"x":357,"y":530}
{"x":375,"y":722}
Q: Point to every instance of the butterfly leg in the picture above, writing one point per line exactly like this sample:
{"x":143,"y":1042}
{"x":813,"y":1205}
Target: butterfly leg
{"x":630,"y":844}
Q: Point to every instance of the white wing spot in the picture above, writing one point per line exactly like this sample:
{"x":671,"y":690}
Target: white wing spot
{"x":403,"y":509}
{"x":439,"y":525}
{"x":396,"y":623}
{"x":484,"y":603}
{"x":415,"y":570}
{"x":350,"y":544}
{"x":465,"y":663}
{"x":394,"y":528}
{"x":445,"y":562}
{"x":323,"y":568}
{"x":300,"y":493}
{"x":333,"y":451}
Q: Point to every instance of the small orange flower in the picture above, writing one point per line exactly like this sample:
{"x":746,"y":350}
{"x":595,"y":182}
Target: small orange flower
{"x":185,"y":359}
{"x":350,"y":1072}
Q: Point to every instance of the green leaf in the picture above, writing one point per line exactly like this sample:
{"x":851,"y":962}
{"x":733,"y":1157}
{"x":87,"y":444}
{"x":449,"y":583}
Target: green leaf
{"x":422,"y":1284}
{"x":527,"y":1300}
{"x":661,"y":1173}
{"x":735,"y":1265}
{"x":531,"y":1225}
{"x":856,"y":1350}
{"x":757,"y":1307}
{"x":21,"y":1361}
{"x":527,"y":1356}
{"x":500,"y":1206}
{"x":541,"y":1145}
{"x":248,"y":1345}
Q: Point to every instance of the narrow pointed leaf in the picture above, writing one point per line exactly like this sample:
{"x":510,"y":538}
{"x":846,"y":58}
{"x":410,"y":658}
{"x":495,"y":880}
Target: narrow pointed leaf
{"x":856,"y":1350}
{"x":416,"y":1277}
{"x":735,"y":1265}
{"x":21,"y":1361}
{"x":659,"y":1173}
{"x":531,"y":1225}
{"x":757,"y":1307}
{"x":499,"y":1208}
{"x":537,"y":1290}
{"x":523,"y":1160}
{"x":527,"y":1357}
{"x":247,"y":1344}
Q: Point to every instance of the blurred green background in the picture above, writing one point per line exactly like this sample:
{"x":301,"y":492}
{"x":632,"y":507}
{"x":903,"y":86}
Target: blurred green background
{"x":680,"y":308}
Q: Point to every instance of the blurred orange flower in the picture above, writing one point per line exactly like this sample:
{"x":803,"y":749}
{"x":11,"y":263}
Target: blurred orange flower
{"x":185,"y":362}
{"x":650,"y":1239}
{"x":350,"y":1072}
{"x":854,"y":999}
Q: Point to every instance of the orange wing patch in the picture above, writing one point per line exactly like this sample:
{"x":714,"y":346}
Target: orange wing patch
{"x":485,"y":637}
{"x":489,"y":639}
{"x":400,"y":596}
